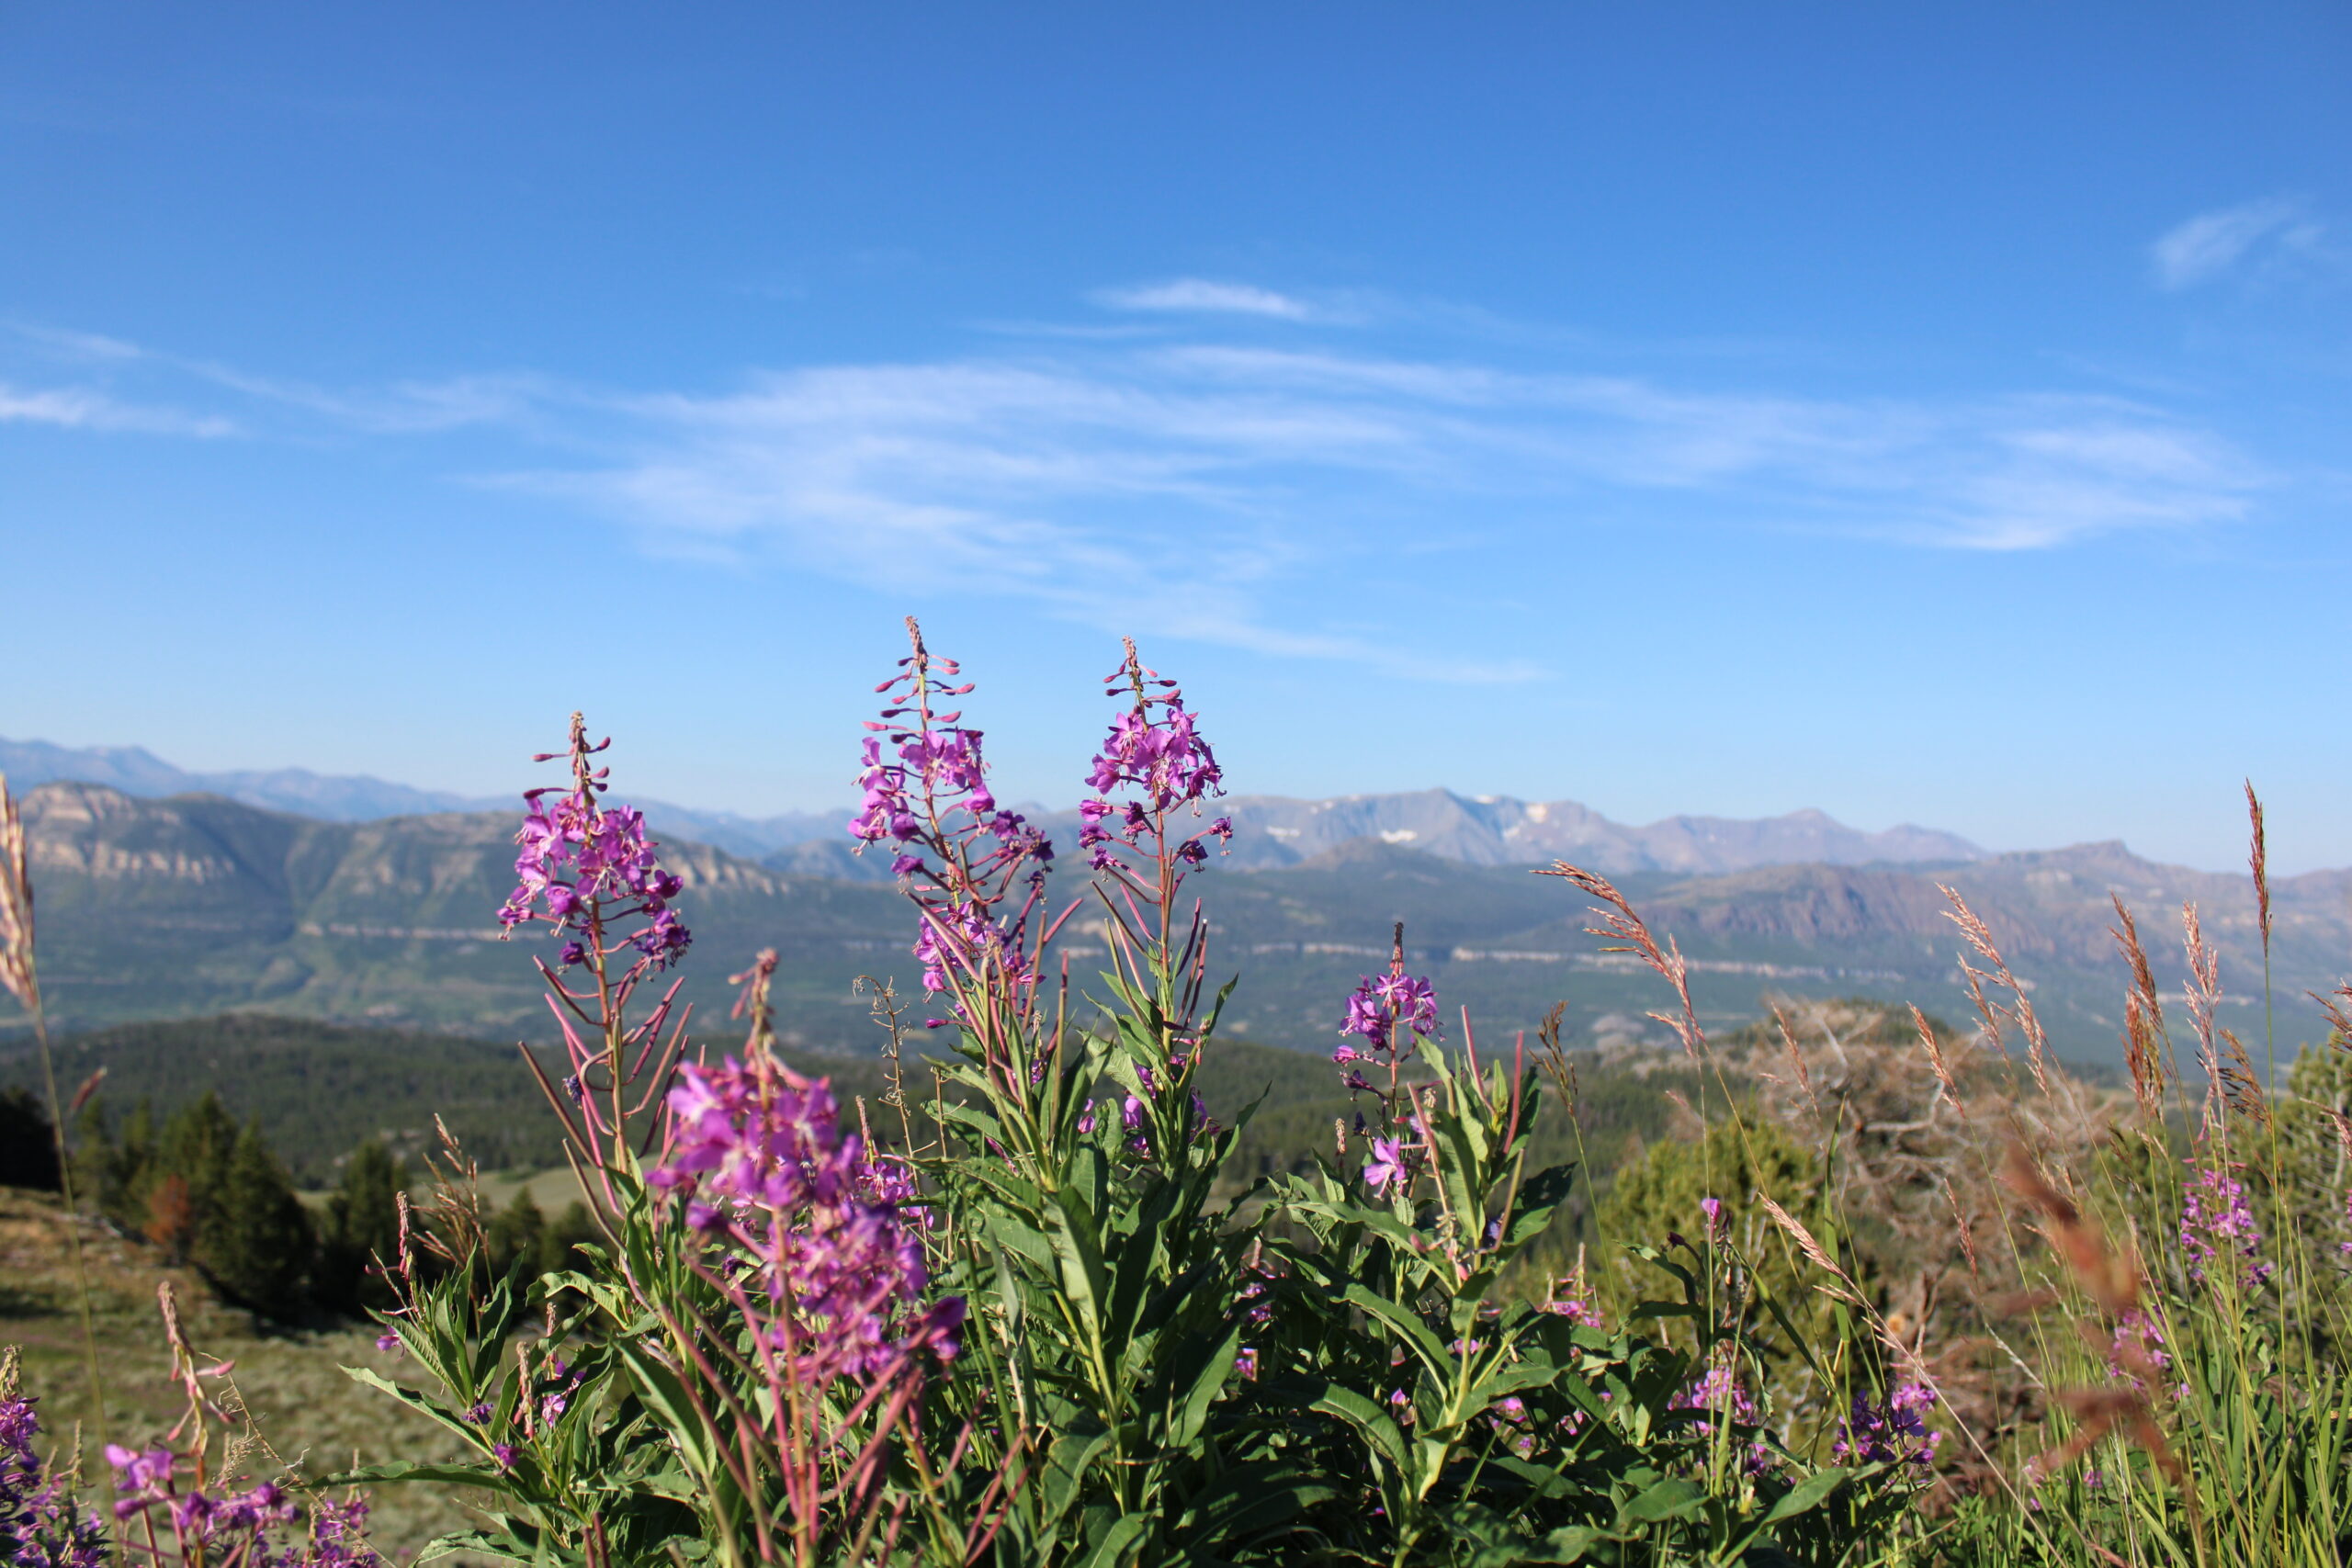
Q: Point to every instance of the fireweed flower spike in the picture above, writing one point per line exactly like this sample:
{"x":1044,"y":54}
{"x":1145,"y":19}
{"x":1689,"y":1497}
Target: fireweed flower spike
{"x":2217,"y":1222}
{"x":1161,"y":766}
{"x":976,"y":872}
{"x":1382,"y":1012}
{"x":1894,"y":1432}
{"x":826,"y":1271}
{"x":1145,"y":829}
{"x":587,"y":870}
{"x":42,"y":1523}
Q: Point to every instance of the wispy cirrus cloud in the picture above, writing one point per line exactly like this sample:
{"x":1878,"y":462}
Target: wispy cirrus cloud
{"x":1216,"y":492}
{"x":402,"y":408}
{"x":82,"y":407}
{"x":1200,"y":484}
{"x":2214,"y":244}
{"x":1201,"y":296}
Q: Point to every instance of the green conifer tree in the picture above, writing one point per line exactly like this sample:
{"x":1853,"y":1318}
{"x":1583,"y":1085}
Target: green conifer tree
{"x":362,"y":1225}
{"x":196,"y":1146}
{"x":120,"y":1172}
{"x":257,"y":1246}
{"x":27,"y":1149}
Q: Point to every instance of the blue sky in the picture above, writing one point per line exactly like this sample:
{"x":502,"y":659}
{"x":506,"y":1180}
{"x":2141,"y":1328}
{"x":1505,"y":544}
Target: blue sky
{"x":1930,"y":413}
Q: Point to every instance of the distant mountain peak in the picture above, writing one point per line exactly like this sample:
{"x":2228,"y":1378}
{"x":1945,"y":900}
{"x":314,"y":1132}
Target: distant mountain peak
{"x":1500,"y":829}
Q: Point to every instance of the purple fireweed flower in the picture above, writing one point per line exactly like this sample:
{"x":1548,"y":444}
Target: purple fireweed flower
{"x":2216,"y":1221}
{"x":146,"y":1474}
{"x":338,"y":1535}
{"x":1378,"y":1009}
{"x":1387,"y":1164}
{"x":1155,"y":756}
{"x":975,"y":872}
{"x":1719,"y":1390}
{"x":582,"y":863}
{"x":662,"y":941}
{"x":1163,"y":757}
{"x":2140,"y":1336}
{"x":1572,"y":1298}
{"x":1714,"y":1208}
{"x":388,"y":1342}
{"x":43,"y":1525}
{"x":48,"y":1532}
{"x":505,"y":1454}
{"x":1895,"y":1433}
{"x":1722,"y":1394}
{"x":814,"y":1221}
{"x":477,"y":1412}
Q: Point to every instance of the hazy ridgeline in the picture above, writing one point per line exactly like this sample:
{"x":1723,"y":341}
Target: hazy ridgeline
{"x":1046,"y":1263}
{"x":192,"y":906}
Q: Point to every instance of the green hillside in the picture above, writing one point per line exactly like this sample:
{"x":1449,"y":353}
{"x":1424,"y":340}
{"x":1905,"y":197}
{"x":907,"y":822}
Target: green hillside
{"x":318,"y":1090}
{"x":196,"y":905}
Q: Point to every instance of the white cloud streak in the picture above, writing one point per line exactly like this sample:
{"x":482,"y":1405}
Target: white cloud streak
{"x":1228,"y":493}
{"x":1216,"y":493}
{"x":80,"y":408}
{"x":1200,"y":295}
{"x":2213,"y":243}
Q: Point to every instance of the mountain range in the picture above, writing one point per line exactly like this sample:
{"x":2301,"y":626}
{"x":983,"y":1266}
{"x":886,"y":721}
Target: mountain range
{"x":355,"y":797}
{"x":198,"y":904}
{"x":1272,"y":830}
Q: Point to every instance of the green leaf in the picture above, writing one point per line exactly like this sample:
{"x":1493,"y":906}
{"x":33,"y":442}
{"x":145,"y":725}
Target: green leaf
{"x":1538,"y":1197}
{"x":1116,"y":1542}
{"x":413,"y":1400}
{"x":481,"y":1476}
{"x":1194,"y":1413}
{"x":496,"y":1548}
{"x":1249,"y":1500}
{"x":1427,"y":1345}
{"x":1015,"y":1236}
{"x":1809,"y":1494}
{"x":1365,"y":1416}
{"x":1569,"y":1545}
{"x":1066,"y":1467}
{"x":1673,"y":1498}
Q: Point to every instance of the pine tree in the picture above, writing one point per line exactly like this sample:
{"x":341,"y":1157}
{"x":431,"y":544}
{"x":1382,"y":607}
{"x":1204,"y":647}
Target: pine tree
{"x":28,"y":1148}
{"x":196,"y":1146}
{"x":362,"y":1225}
{"x":121,"y":1173}
{"x":258,"y":1246}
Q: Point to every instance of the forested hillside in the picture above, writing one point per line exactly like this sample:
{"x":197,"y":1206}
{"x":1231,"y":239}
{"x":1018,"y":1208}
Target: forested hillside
{"x":182,"y":906}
